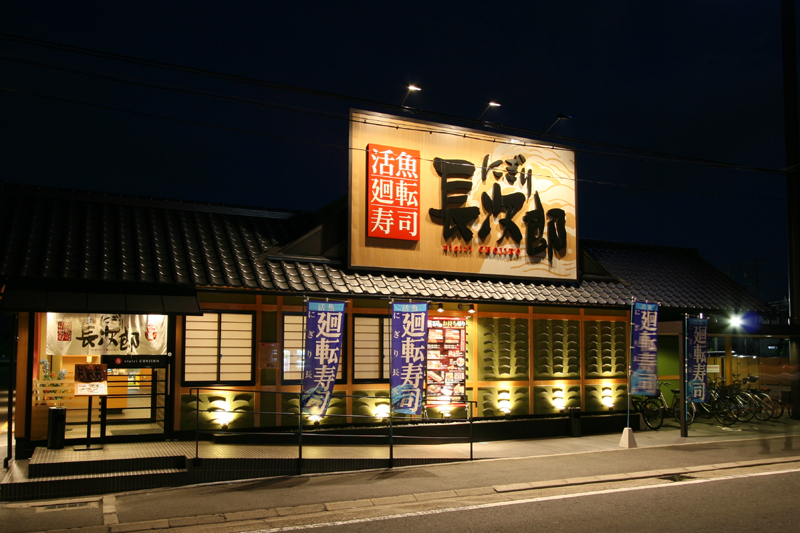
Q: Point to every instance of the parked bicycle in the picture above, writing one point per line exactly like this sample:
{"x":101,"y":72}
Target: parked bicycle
{"x":654,"y":408}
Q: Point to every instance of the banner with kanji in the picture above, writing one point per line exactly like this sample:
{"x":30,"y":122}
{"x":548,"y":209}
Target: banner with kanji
{"x":696,"y":358}
{"x":106,"y":334}
{"x":644,"y":356}
{"x":409,"y":346}
{"x":323,"y":353}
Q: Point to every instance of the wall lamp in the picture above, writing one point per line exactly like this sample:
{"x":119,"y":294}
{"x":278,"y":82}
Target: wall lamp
{"x":440,"y":309}
{"x":470,"y":310}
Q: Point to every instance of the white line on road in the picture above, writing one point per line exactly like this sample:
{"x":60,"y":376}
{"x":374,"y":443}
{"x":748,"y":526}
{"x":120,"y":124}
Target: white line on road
{"x":517,"y":502}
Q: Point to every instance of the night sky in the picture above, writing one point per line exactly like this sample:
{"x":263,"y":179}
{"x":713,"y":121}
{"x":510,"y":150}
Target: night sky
{"x":246,"y":103}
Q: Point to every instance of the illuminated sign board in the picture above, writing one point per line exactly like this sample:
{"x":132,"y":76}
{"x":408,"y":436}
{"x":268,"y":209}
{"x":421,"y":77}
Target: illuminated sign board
{"x":437,"y":198}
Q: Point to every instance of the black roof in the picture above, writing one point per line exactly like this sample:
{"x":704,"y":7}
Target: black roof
{"x":61,"y":238}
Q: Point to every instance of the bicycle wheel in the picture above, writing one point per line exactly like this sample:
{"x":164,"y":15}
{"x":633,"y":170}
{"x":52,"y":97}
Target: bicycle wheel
{"x":653,"y":416}
{"x":777,"y":408}
{"x":725,"y":410}
{"x":764,"y":407}
{"x":747,"y":408}
{"x":691,"y":411}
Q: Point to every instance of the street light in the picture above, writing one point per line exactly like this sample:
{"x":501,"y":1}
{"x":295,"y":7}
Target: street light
{"x":411,"y":89}
{"x":560,"y":117}
{"x":490,"y":104}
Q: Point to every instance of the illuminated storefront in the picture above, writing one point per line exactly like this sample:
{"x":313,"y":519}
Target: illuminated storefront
{"x":525,"y":319}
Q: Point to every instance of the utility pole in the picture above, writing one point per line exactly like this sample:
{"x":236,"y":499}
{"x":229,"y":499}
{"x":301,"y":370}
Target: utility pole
{"x":792,"y":134}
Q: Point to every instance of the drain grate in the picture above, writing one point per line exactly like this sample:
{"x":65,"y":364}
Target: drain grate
{"x":67,"y":507}
{"x":676,"y":477}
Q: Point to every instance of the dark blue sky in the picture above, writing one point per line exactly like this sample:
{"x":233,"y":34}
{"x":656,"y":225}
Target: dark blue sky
{"x":700,"y":79}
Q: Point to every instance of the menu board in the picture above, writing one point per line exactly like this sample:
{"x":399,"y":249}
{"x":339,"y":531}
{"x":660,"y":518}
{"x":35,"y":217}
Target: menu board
{"x":446,"y":371}
{"x":91,"y":380}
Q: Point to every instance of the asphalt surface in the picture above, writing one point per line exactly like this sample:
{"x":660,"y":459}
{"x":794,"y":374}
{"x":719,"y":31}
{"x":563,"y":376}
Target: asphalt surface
{"x":503,"y":469}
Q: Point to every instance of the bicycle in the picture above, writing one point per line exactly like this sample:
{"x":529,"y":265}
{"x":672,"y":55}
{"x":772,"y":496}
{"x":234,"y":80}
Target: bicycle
{"x":653,"y":409}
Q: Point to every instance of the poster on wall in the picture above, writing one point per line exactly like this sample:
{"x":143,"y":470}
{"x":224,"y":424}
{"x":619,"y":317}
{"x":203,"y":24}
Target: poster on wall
{"x":409,"y":336}
{"x":447,"y":353}
{"x":696,"y":360}
{"x":644,"y":356}
{"x":106,"y":334}
{"x":323,"y":354}
{"x":438,"y":198}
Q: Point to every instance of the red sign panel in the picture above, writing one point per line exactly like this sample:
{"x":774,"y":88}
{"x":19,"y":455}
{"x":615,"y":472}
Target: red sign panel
{"x":393,"y":193}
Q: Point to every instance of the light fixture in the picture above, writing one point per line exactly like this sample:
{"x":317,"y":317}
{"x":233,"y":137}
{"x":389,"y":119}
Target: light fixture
{"x":490,"y":104}
{"x":608,"y":400}
{"x":736,"y":321}
{"x":314,"y":419}
{"x":558,"y":399}
{"x":440,"y":309}
{"x":381,"y":411}
{"x":560,"y":117}
{"x":471,"y":308}
{"x":504,"y":402}
{"x":411,"y":89}
{"x":224,"y":416}
{"x":446,"y":410}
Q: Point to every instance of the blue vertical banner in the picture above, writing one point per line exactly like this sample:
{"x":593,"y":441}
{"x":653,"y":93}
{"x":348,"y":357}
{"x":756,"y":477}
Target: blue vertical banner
{"x":409,"y":348}
{"x":323,"y":342}
{"x":644,"y":356}
{"x":696,"y":358}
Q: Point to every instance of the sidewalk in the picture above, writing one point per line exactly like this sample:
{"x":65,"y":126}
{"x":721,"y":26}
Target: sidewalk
{"x":506,"y":468}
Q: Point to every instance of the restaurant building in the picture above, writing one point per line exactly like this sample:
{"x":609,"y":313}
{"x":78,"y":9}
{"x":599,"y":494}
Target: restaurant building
{"x":197,"y":310}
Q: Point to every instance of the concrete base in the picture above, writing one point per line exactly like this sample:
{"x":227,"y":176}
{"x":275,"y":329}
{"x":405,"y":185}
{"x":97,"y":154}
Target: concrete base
{"x":627,"y":440}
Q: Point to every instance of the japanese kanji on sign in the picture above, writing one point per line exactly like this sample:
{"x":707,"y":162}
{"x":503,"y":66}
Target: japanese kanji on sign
{"x":323,"y":342}
{"x":433,"y":197}
{"x":409,"y":347}
{"x":644,"y":356}
{"x":106,"y":334}
{"x":696,"y":358}
{"x":393,"y":204}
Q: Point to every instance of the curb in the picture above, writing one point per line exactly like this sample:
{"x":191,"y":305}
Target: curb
{"x":261,"y":514}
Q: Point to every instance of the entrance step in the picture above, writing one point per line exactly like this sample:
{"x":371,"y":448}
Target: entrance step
{"x":55,"y":463}
{"x":17,"y":487}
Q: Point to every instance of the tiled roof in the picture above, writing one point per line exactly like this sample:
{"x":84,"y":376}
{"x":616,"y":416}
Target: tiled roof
{"x":61,"y":236}
{"x":68,"y":236}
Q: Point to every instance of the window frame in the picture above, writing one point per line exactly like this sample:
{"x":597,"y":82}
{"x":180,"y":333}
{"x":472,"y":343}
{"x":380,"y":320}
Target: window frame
{"x":219,"y":381}
{"x":385,"y":341}
{"x":343,"y":366}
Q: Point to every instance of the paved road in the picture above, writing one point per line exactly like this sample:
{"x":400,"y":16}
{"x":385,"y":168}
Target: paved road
{"x":304,"y":500}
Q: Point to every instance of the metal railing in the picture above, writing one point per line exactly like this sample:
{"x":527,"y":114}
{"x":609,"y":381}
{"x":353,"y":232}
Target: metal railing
{"x":302,"y":430}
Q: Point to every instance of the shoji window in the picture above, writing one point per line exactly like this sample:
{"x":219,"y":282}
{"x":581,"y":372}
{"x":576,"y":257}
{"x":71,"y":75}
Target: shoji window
{"x":293,"y":349}
{"x":371,"y":348}
{"x":219,"y":348}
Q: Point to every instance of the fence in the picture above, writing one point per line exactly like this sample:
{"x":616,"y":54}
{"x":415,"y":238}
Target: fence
{"x":225,"y":414}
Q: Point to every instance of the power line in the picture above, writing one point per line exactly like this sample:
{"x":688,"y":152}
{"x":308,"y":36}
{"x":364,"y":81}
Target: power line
{"x":630,"y":151}
{"x":338,"y":146}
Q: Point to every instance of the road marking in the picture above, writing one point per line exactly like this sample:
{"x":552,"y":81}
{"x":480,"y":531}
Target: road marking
{"x":517,"y":502}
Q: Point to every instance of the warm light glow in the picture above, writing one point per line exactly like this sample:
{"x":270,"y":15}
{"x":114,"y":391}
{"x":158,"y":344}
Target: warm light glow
{"x":224,"y":417}
{"x":504,"y":406}
{"x":494,"y":104}
{"x":314,"y":418}
{"x":381,"y":411}
{"x":441,"y":308}
{"x":558,"y":399}
{"x":471,"y":308}
{"x":413,"y":88}
{"x":446,"y":410}
{"x":608,"y":399}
